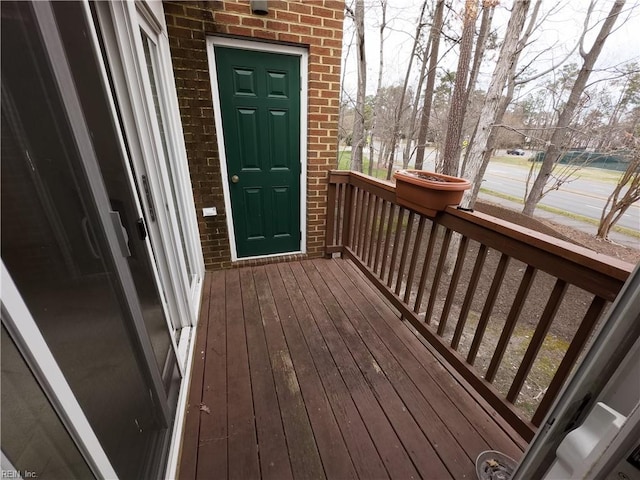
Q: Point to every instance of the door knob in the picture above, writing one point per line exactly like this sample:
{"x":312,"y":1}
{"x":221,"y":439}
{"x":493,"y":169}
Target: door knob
{"x":235,"y":179}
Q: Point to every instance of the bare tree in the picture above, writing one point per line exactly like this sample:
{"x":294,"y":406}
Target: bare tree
{"x":451,"y":157}
{"x":434,"y":38}
{"x":627,"y":192}
{"x":411,"y":131}
{"x":400,"y":107}
{"x":488,"y":7}
{"x":474,"y":165}
{"x":629,"y":95}
{"x":383,"y":25}
{"x":358,"y":137}
{"x":476,"y":160}
{"x":557,"y":141}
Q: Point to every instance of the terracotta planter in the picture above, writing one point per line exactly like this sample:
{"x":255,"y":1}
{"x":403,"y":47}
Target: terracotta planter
{"x":428,"y":192}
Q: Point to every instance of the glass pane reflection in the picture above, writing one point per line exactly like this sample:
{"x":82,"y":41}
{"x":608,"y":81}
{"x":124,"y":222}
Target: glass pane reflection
{"x":33,"y":437}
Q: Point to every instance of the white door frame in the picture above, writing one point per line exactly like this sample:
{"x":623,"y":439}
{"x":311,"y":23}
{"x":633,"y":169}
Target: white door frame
{"x":303,"y":55}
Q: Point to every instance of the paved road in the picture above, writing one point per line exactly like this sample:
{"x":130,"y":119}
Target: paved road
{"x":581,"y":196}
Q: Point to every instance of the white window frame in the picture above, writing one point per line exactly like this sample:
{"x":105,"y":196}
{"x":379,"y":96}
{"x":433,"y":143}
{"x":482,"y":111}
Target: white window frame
{"x":303,"y":55}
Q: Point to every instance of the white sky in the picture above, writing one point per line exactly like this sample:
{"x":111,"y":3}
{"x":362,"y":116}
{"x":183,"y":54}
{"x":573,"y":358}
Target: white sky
{"x":560,"y":31}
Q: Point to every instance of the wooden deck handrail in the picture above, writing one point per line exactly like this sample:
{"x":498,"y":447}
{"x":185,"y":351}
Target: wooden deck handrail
{"x":404,"y":256}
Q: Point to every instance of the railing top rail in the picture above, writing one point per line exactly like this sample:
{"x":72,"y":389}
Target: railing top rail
{"x":594,"y":272}
{"x":603,"y":263}
{"x":381,"y":188}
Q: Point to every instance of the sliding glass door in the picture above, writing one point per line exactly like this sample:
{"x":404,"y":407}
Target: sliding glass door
{"x":74,"y":241}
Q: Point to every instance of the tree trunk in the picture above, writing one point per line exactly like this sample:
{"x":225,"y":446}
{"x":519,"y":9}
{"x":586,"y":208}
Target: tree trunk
{"x":358,"y":138}
{"x":494,"y":105}
{"x":399,"y":111}
{"x":434,"y":38}
{"x":406,"y":155}
{"x":488,"y":7}
{"x":458,"y":100}
{"x":557,"y":141}
{"x":383,"y":25}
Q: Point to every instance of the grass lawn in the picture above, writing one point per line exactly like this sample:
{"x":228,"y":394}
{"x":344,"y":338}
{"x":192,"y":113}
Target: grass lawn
{"x":344,"y":163}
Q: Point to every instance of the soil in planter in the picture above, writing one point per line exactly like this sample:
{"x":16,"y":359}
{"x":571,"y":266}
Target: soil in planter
{"x":426,"y":176}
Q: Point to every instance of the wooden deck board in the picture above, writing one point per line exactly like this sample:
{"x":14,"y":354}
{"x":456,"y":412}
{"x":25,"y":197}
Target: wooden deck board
{"x":376,"y":368}
{"x":411,"y":375}
{"x":440,"y":448}
{"x":333,"y":451}
{"x":212,"y":447}
{"x":361,"y":448}
{"x":190,"y":440}
{"x":310,"y":373}
{"x":274,"y":460}
{"x":393,"y":454}
{"x":242,"y":447}
{"x":439,"y":380}
{"x":305,"y":459}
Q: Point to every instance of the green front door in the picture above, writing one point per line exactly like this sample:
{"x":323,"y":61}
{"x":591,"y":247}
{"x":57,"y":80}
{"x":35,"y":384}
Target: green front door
{"x":260,"y":105}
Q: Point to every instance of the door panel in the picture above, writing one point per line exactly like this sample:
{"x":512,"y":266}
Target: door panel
{"x":260,"y":103}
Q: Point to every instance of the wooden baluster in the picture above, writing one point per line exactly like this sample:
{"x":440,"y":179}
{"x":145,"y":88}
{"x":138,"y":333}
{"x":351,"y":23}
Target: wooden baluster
{"x":405,"y":251}
{"x":510,"y":323}
{"x":468,"y":299}
{"x":371,"y":201}
{"x":339,"y":213}
{"x":488,"y":307}
{"x":373,"y":239}
{"x":363,"y":223}
{"x":347,"y":230}
{"x":383,"y":217}
{"x":414,"y":259}
{"x":548,"y":315}
{"x":332,"y":215}
{"x":570,"y":357}
{"x":453,"y":284}
{"x":387,"y":242}
{"x":425,"y":266}
{"x":356,"y":220}
{"x":362,"y":231}
{"x":394,"y":254}
{"x":436,"y":277}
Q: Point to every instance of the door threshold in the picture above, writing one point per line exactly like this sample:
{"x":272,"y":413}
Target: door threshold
{"x":272,"y":255}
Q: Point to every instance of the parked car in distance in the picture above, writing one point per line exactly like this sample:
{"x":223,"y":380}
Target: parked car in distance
{"x":515,"y":151}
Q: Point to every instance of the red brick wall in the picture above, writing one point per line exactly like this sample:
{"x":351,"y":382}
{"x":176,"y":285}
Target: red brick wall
{"x":316,"y":25}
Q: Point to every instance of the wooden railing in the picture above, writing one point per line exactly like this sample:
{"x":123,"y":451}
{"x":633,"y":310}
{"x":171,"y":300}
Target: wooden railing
{"x":451,"y":299}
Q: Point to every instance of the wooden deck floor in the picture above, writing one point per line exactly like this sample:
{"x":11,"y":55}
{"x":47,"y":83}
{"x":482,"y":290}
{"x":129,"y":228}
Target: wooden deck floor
{"x":302,"y":370}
